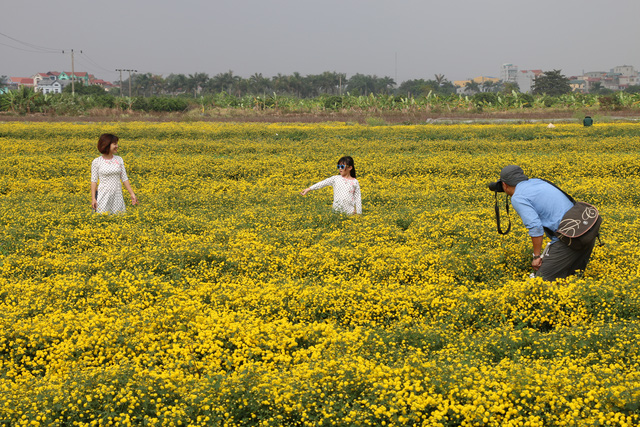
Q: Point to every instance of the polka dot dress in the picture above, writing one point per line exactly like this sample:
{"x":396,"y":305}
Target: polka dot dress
{"x":109,"y":174}
{"x":346,"y":194}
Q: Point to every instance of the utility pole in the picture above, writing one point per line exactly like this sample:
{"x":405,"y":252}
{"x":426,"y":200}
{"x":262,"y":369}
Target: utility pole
{"x":121,"y":70}
{"x":73,"y":74}
{"x":135,"y":71}
{"x":396,"y":75}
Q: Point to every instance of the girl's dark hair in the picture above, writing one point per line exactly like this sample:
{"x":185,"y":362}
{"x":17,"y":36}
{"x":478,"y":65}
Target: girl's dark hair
{"x":105,"y":141}
{"x":348,"y":161}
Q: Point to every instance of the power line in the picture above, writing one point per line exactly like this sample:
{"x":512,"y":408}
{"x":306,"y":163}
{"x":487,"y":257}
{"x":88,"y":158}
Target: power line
{"x":86,"y":65}
{"x":39,"y":49}
{"x":24,"y":50}
{"x":33,"y":48}
{"x":90,"y":66}
{"x":84,"y":56}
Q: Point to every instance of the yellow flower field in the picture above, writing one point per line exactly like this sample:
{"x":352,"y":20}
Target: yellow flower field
{"x":226,"y":298}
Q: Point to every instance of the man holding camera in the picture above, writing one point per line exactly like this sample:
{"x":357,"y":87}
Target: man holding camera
{"x":541,"y":207}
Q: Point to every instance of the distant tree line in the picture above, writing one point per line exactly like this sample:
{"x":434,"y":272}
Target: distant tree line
{"x":296,"y":85}
{"x":328,"y":83}
{"x":551,"y":83}
{"x":326,"y":91}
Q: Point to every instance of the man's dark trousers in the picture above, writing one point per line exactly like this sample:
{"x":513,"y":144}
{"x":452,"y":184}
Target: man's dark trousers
{"x":560,"y":261}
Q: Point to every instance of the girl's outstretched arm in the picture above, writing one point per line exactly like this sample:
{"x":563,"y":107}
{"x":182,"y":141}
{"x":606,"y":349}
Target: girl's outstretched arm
{"x":327,"y":182}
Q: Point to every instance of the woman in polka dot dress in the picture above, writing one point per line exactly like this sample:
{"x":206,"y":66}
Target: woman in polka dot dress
{"x":107,"y":171}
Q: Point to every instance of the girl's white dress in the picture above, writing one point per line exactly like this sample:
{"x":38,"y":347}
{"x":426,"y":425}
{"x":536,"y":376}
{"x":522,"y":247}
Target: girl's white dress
{"x":109,"y":174}
{"x":346,"y":194}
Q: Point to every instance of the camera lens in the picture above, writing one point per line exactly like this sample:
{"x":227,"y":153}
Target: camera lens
{"x":496,"y":186}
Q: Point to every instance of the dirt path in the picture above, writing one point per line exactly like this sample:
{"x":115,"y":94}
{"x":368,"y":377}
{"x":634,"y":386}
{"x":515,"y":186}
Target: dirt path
{"x":362,"y":117}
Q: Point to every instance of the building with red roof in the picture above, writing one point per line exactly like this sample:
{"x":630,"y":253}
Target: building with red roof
{"x":17,"y":82}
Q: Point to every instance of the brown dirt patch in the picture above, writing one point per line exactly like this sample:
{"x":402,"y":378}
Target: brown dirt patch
{"x":362,"y":117}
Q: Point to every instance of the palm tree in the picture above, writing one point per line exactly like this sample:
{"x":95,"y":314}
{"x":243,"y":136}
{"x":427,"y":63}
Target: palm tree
{"x":224,"y":82}
{"x":361,"y":84}
{"x":176,"y":83}
{"x":157,"y":84}
{"x":329,"y":82}
{"x":280,"y":83}
{"x":489,"y":86}
{"x":440,"y":79}
{"x":297,"y":84}
{"x":141,"y":83}
{"x":385,"y":85}
{"x":259,"y":84}
{"x":242,"y":86}
{"x":196,"y":82}
{"x":472,"y":86}
{"x":510,"y":87}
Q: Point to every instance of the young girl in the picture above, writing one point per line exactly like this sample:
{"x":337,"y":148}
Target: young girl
{"x":109,"y":170}
{"x":346,"y":189}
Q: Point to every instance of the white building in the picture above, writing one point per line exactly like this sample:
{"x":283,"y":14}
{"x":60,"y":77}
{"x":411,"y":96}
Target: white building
{"x":627,"y":76}
{"x":509,"y":73}
{"x":625,"y":70}
{"x":50,"y":85}
{"x":526,"y":78}
{"x":626,"y":81}
{"x":618,"y":78}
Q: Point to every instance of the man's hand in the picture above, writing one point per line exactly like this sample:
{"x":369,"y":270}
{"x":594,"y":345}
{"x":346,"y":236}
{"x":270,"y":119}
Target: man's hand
{"x":537,"y":249}
{"x":536,"y":263}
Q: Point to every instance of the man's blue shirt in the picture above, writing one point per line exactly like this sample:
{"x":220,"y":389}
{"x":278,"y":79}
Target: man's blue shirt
{"x":539,"y":204}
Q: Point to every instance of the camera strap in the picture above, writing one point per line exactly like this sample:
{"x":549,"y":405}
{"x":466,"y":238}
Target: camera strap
{"x":506,"y":205}
{"x":563,"y":192}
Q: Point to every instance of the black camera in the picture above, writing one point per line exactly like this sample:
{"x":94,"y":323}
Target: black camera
{"x":496,"y":186}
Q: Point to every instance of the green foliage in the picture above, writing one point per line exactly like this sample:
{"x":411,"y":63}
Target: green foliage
{"x":484,"y":98}
{"x":26,"y":101}
{"x":551,"y":83}
{"x":524,"y":100}
{"x":375,"y":121}
{"x":159,"y":104}
{"x":81,"y":89}
{"x":421,"y":87}
{"x":597,"y":89}
{"x":23,"y":101}
{"x":472,"y":86}
{"x":611,"y":103}
{"x":361,"y":84}
{"x":510,"y":87}
{"x":333,"y":102}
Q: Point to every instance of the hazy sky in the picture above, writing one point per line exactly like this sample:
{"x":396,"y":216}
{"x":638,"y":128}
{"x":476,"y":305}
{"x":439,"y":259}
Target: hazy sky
{"x":402,"y":39}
